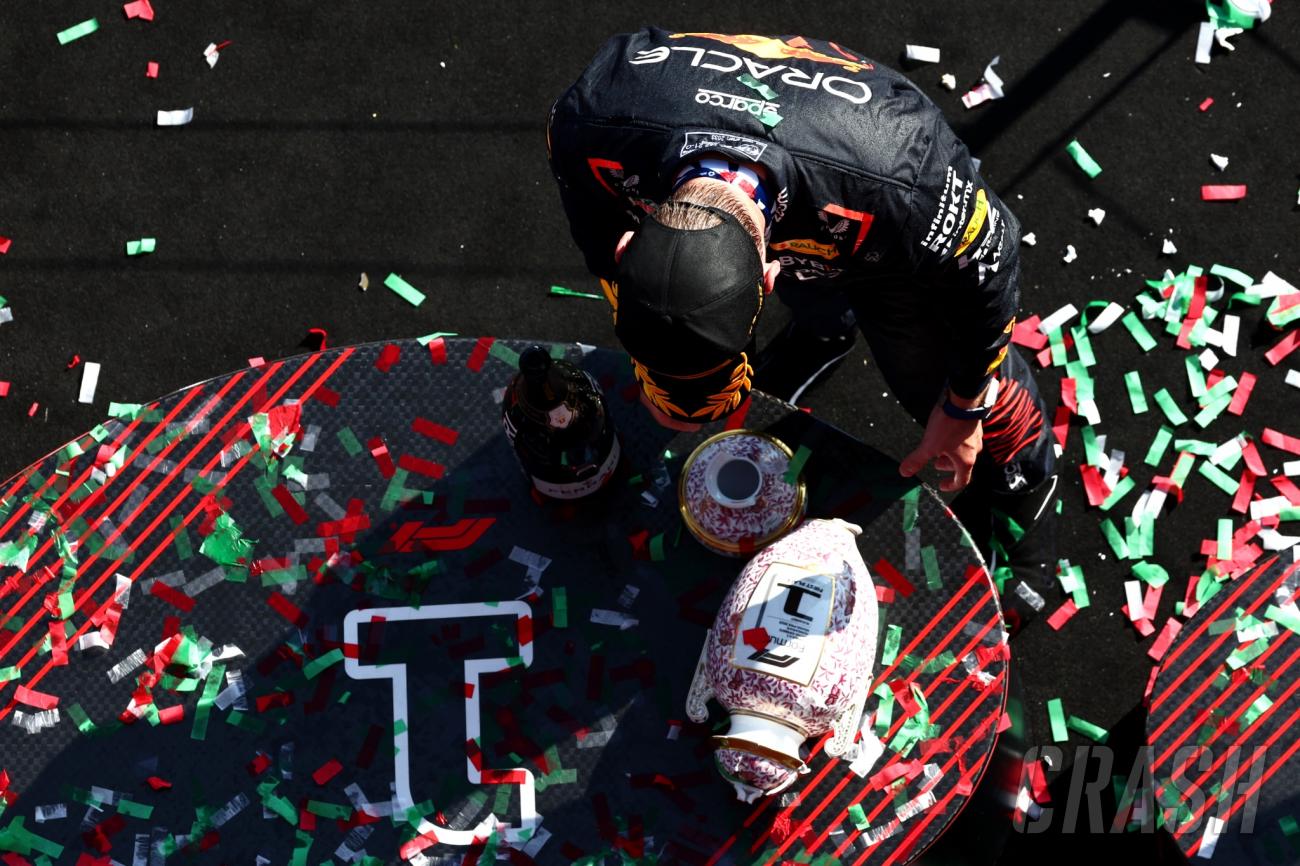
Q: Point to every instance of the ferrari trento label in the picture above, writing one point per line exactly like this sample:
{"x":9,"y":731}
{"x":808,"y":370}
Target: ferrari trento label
{"x":793,"y":606}
{"x":579,"y":489}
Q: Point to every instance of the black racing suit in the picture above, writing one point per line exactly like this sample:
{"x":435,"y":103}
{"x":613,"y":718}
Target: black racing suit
{"x":877,"y":206}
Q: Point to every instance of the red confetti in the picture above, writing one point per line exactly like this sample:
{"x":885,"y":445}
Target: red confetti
{"x":31,"y":698}
{"x":1283,"y":347}
{"x":1026,"y":334}
{"x":1223,"y":191}
{"x":425,"y":427}
{"x":1242,"y":394}
{"x":328,"y":770}
{"x":1287,"y":488}
{"x":1094,"y":485}
{"x":4,"y":389}
{"x":895,"y":578}
{"x":420,"y":466}
{"x":1281,"y":440}
{"x":317,"y":338}
{"x":76,"y":359}
{"x":388,"y":356}
{"x":1061,"y":425}
{"x":32,"y":411}
{"x":1062,"y":614}
{"x":1208,"y":101}
{"x":4,"y":244}
{"x":758,"y":638}
{"x":286,"y":609}
{"x":383,"y":459}
{"x":174,"y":597}
{"x":1167,"y":635}
{"x":172,"y":715}
{"x":1069,"y":398}
{"x":158,"y":783}
{"x":139,"y":9}
{"x":736,"y":420}
{"x":151,"y":70}
{"x":479,"y":356}
{"x":1241,"y":502}
{"x":289,"y":504}
{"x":438,"y":350}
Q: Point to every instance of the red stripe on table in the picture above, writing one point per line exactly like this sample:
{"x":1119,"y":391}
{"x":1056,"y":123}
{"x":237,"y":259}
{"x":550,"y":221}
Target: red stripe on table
{"x":1232,"y":686}
{"x":1189,"y":638}
{"x":1284,"y":728}
{"x":974,"y":576}
{"x":44,"y":548}
{"x":85,"y":503}
{"x":893,"y":729}
{"x":167,"y":539}
{"x":971,"y":778}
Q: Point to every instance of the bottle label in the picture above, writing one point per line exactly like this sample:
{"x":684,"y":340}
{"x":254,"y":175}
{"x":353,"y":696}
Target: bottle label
{"x":585,"y":487}
{"x":793,"y":606}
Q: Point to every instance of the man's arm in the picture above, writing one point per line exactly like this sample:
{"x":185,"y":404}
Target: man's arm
{"x":588,"y":186}
{"x":965,"y":243}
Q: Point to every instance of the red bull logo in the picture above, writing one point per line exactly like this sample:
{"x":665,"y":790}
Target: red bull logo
{"x":771,"y":48}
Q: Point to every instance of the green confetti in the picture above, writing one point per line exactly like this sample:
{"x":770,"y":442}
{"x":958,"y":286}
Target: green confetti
{"x":141,"y":247}
{"x":858,"y":816}
{"x":1113,"y":537}
{"x":76,"y":31}
{"x":1285,"y":618}
{"x":1233,"y":275}
{"x":502,"y":352}
{"x":570,"y":293}
{"x":1243,"y":656}
{"x":226,"y":544}
{"x":349,"y":441}
{"x":1219,"y":478}
{"x":1083,"y":159}
{"x":930,"y":561}
{"x":559,"y":607}
{"x":770,"y":118}
{"x":1136,"y":398}
{"x":1150,"y":573}
{"x":9,"y":674}
{"x":404,"y":290}
{"x":1145,"y":341}
{"x":911,"y":501}
{"x":1122,"y":487}
{"x":893,"y":638}
{"x":1056,"y":715}
{"x":313,"y":668}
{"x":1088,"y":729}
{"x":1224,"y":539}
{"x":657,"y":548}
{"x":754,"y":84}
{"x":796,"y":464}
{"x":210,"y":688}
{"x":1212,"y":411}
{"x":134,"y":809}
{"x":1167,"y":405}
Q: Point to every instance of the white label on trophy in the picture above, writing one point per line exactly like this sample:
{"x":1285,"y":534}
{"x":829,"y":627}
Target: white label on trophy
{"x":793,"y":606}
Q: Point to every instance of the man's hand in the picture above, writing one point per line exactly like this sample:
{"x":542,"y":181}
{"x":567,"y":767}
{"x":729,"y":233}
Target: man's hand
{"x":952,"y":444}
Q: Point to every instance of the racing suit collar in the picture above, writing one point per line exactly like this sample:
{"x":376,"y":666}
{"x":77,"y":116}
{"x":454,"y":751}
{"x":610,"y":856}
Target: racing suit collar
{"x":694,"y":142}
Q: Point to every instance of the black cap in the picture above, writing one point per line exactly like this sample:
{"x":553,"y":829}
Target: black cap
{"x":688,"y":301}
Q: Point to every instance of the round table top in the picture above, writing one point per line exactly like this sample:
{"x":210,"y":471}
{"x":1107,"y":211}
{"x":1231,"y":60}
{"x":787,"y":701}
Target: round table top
{"x":1221,"y":724}
{"x":285,"y":613}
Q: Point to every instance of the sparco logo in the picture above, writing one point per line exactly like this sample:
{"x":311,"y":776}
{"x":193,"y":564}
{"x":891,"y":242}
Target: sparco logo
{"x":756,"y":107}
{"x":722,"y":61}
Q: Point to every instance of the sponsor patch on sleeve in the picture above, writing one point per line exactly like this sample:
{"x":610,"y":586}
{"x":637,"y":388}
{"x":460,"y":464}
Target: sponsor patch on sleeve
{"x":976,"y":222}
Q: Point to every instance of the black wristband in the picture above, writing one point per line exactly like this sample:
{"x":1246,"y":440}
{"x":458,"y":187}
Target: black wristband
{"x":952,"y":410}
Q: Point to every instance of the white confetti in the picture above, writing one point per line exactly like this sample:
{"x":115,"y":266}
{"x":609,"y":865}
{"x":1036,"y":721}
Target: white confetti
{"x":1031,"y":598}
{"x":949,"y":81}
{"x":1210,"y":838}
{"x":54,"y":812}
{"x":1070,"y":254}
{"x":1220,"y":161}
{"x":1057,"y":319}
{"x":1204,"y":39}
{"x":1223,"y":34}
{"x":1096,"y":214}
{"x":1293,"y":378}
{"x":179,"y":117}
{"x":89,"y":381}
{"x":1108,"y":317}
{"x":1029,"y":240}
{"x":1168,"y":248}
{"x":612,"y":617}
{"x":922,"y":54}
{"x":122,"y":669}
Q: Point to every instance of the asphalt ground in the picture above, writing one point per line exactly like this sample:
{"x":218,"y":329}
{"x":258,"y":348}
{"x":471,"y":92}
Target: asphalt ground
{"x":332,"y":140}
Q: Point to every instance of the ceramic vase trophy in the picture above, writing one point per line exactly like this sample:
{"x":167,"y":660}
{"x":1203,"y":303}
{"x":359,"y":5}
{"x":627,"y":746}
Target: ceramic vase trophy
{"x":555,"y":417}
{"x":790,"y":656}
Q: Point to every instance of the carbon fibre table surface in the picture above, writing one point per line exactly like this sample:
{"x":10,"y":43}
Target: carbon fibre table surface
{"x":1221,"y":728}
{"x":206,"y":599}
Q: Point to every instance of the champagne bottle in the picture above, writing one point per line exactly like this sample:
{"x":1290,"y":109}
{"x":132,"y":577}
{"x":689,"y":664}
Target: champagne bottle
{"x":555,"y":416}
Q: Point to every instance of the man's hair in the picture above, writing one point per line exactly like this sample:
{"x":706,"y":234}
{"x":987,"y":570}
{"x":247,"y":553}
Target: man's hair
{"x":674,"y":214}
